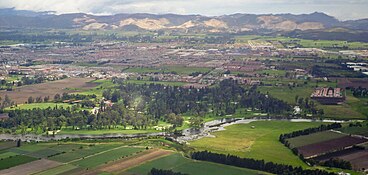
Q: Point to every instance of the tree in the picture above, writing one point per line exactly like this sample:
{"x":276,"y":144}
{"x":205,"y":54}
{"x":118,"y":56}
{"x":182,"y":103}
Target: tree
{"x":19,"y":142}
{"x":30,"y":100}
{"x":46,"y":99}
{"x":57,"y":97}
{"x":195,"y":122}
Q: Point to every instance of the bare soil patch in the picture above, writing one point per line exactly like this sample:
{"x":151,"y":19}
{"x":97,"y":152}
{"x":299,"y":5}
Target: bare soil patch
{"x":30,"y":168}
{"x":20,"y":95}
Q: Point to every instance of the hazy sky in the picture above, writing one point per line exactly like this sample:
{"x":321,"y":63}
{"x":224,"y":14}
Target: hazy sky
{"x":342,"y":9}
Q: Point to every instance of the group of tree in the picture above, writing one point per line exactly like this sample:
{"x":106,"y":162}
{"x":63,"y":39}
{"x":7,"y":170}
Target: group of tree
{"x":142,"y":106}
{"x":6,"y":102}
{"x":359,"y":92}
{"x":155,"y":171}
{"x":160,"y":100}
{"x":338,"y":163}
{"x":260,"y":165}
{"x":38,"y":99}
{"x":308,"y":106}
{"x":52,"y":119}
{"x":66,"y":96}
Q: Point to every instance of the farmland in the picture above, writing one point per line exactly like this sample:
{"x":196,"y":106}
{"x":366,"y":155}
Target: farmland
{"x":329,"y":145}
{"x":178,"y":163}
{"x":313,"y":138}
{"x":245,"y":141}
{"x":104,"y":157}
{"x":14,"y":161}
{"x":21,"y":94}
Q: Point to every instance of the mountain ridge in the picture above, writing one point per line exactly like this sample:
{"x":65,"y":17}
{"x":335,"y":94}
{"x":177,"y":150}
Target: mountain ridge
{"x":238,"y":22}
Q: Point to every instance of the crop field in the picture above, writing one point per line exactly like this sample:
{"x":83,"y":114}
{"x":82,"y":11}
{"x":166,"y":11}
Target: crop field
{"x":20,"y":95}
{"x":7,"y":155}
{"x":258,"y":140}
{"x":58,"y":170}
{"x":15,"y":160}
{"x":30,"y":168}
{"x":359,"y":160}
{"x":329,"y":145}
{"x":6,"y":144}
{"x":178,"y":163}
{"x":81,"y":151}
{"x":140,"y":158}
{"x":314,"y":138}
{"x":356,"y":130}
{"x":105,"y":157}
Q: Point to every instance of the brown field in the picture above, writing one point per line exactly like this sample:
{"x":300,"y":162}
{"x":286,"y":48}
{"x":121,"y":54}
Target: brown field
{"x":359,"y":160}
{"x":121,"y":165}
{"x":136,"y":160}
{"x":31,"y":168}
{"x":20,"y":95}
{"x":329,"y":146}
{"x":352,"y":82}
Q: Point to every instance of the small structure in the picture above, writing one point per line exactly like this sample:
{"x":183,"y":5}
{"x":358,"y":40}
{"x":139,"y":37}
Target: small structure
{"x":328,"y":96}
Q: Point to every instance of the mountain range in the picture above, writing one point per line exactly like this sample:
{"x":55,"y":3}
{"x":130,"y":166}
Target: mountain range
{"x":11,"y":18}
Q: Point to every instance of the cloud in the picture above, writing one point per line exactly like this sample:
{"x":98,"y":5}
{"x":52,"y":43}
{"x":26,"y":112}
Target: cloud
{"x":343,"y":9}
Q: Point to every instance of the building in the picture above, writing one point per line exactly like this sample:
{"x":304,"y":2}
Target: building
{"x":328,"y":95}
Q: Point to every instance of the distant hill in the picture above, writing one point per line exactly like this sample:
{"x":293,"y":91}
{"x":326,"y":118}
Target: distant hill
{"x":11,"y":18}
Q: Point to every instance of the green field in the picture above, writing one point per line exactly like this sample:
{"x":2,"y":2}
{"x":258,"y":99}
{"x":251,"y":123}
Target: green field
{"x":258,"y":143}
{"x":352,"y":108}
{"x":107,"y":156}
{"x":314,"y":138}
{"x":7,"y":154}
{"x":178,"y":163}
{"x":15,"y":160}
{"x":39,"y":105}
{"x":356,"y":130}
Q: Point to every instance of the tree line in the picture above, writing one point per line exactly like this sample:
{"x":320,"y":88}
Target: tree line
{"x":260,"y":165}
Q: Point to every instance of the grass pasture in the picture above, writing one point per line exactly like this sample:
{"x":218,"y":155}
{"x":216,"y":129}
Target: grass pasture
{"x":178,"y":163}
{"x":260,"y":142}
{"x":314,"y":138}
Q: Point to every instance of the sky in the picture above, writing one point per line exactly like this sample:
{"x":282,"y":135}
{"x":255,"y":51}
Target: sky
{"x":341,"y":9}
